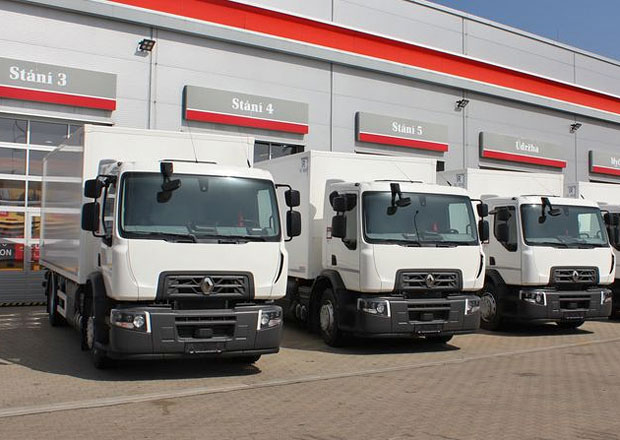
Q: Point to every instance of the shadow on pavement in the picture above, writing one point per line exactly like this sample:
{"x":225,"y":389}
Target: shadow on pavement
{"x":27,"y":339}
{"x":530,"y":330}
{"x":298,"y":338}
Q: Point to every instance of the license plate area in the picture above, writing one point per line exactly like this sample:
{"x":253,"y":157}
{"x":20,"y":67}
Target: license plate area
{"x":573,"y":316}
{"x":428,"y":329}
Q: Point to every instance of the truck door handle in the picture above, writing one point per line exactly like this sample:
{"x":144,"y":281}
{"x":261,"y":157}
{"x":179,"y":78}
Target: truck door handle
{"x":334,"y":261}
{"x":491,"y":261}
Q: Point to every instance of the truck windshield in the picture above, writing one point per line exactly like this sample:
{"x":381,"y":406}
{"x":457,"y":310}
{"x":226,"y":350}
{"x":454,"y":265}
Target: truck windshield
{"x":573,"y":226}
{"x":203,"y":207}
{"x":430,"y":219}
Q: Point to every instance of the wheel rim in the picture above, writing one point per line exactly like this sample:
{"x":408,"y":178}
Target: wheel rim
{"x":327,"y":317}
{"x":488,"y":307}
{"x":90,"y":332}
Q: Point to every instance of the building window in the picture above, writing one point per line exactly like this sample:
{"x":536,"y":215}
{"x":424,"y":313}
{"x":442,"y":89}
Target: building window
{"x":270,"y":150}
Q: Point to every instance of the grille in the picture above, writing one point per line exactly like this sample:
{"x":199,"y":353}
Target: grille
{"x":569,"y":302}
{"x":570,"y":275}
{"x":205,"y":327}
{"x":230,"y":286}
{"x":429,"y":280}
{"x":428,"y":312}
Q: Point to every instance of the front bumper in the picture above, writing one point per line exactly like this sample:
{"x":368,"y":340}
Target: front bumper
{"x":564,"y":306}
{"x":422,"y":317}
{"x":196,"y":333}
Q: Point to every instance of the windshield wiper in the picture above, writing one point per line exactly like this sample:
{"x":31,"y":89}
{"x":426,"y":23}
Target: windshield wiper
{"x":549,"y":243}
{"x":168,"y":236}
{"x":399,"y":242}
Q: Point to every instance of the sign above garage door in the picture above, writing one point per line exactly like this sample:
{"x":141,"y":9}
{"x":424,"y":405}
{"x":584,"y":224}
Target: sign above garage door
{"x":389,"y":130}
{"x":244,"y":110}
{"x":520,"y":150}
{"x":29,"y":81}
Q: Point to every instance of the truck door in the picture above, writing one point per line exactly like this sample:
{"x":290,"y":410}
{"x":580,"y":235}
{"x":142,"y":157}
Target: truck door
{"x":504,"y":248}
{"x":343,"y":253}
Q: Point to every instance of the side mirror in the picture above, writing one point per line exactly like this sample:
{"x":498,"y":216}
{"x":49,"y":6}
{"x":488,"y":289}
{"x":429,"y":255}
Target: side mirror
{"x":483,"y":209}
{"x":339,"y":226}
{"x":502,"y":233}
{"x":344,"y":202}
{"x":292,"y":198}
{"x":90,"y":216}
{"x":483,"y":230}
{"x":93,"y":188}
{"x":293,"y":224}
{"x":502,"y":215}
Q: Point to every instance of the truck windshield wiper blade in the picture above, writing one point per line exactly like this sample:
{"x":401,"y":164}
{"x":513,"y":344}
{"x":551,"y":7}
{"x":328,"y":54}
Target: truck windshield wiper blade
{"x":550,"y":243}
{"x":168,"y":236}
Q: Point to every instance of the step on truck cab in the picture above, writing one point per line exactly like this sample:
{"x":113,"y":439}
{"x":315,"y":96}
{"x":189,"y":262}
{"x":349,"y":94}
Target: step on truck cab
{"x":608,"y":197}
{"x":548,"y":257}
{"x":384,"y":251}
{"x":163,"y":244}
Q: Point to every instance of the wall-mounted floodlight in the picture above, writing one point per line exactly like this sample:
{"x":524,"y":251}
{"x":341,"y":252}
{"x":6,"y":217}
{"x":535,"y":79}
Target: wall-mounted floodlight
{"x":146,"y":45}
{"x":574,"y":127}
{"x":461,"y":104}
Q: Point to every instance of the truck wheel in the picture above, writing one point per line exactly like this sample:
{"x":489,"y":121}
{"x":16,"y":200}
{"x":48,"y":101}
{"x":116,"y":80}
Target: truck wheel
{"x":328,"y":320}
{"x":571,"y":325}
{"x":441,"y":339}
{"x":98,"y":356}
{"x":490,"y":315}
{"x":55,"y":318}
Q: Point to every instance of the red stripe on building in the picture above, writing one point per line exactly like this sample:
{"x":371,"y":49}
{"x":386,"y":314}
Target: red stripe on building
{"x":605,"y":170}
{"x":278,"y":24}
{"x":489,"y":154}
{"x":57,"y":98}
{"x":244,"y":121}
{"x":402,"y":142}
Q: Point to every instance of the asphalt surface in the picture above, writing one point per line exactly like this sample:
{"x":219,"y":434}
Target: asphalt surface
{"x":528,"y":383}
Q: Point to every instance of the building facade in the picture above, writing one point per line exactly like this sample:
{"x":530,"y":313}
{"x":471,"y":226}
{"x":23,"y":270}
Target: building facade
{"x":396,"y":77}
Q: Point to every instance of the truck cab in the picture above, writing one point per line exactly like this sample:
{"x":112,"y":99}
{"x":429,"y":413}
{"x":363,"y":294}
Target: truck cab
{"x":192,"y":251}
{"x":548,"y":260}
{"x":401,"y":258}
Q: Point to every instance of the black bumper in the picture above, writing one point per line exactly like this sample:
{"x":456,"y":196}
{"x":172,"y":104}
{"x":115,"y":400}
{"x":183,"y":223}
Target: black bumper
{"x":564,"y":306}
{"x":196,"y":333}
{"x":419,"y":317}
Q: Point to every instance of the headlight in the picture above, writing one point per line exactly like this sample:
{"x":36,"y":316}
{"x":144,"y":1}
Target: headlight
{"x":269,"y":318}
{"x":131,"y":320}
{"x":605,"y":296}
{"x":374,"y":306}
{"x":472,"y":306}
{"x":534,"y":297}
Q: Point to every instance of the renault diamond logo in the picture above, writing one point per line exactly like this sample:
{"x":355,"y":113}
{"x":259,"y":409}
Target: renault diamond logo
{"x":206,"y":285}
{"x":430,"y":280}
{"x":575,"y":276}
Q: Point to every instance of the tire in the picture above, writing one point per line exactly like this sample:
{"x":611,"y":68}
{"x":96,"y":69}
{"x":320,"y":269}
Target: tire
{"x":570,"y":325}
{"x":98,"y":356}
{"x":441,"y":339}
{"x":490,"y":310}
{"x":329,"y":325}
{"x":55,"y":318}
{"x":248,"y":359}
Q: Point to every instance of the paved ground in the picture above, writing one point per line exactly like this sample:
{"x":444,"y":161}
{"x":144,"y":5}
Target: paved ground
{"x":534,"y":383}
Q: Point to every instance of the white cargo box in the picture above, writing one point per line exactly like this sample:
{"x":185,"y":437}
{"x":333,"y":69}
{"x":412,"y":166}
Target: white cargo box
{"x":310,"y":172}
{"x":603,"y":193}
{"x":72,"y":252}
{"x":503,"y":183}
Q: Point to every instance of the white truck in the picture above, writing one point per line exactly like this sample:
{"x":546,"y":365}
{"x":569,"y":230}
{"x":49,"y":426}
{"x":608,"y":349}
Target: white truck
{"x":384,"y":251}
{"x":163,"y":244}
{"x":548,"y":257}
{"x":608,"y":197}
